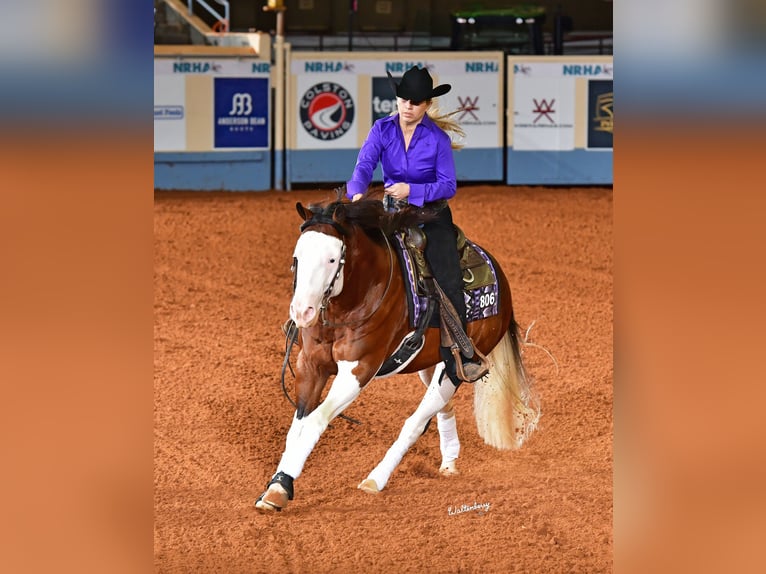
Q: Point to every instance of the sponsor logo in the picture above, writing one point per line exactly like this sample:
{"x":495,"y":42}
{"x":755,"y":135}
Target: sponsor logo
{"x":600,"y":114}
{"x":586,"y":70}
{"x":323,"y":66}
{"x":327,"y":111}
{"x":468,"y":106}
{"x":603,"y":119}
{"x":383,"y":99}
{"x":482,"y":67}
{"x":168,"y":112}
{"x":543,"y":109}
{"x":401,"y":67}
{"x":543,"y":115}
{"x":241,"y":104}
{"x":196,"y":67}
{"x":260,"y":67}
{"x":241,"y":112}
{"x":382,"y":106}
{"x":521,"y":69}
{"x":468,"y":110}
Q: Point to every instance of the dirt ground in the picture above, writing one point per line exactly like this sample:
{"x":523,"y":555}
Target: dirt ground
{"x":222,"y":285}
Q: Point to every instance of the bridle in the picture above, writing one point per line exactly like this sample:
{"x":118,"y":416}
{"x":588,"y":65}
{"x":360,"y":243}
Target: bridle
{"x":327,"y":295}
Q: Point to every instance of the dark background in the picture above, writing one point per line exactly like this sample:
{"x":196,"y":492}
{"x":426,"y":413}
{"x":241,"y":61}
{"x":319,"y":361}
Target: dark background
{"x":425,"y":16}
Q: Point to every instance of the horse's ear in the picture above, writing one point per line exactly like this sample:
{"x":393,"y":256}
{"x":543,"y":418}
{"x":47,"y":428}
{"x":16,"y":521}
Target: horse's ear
{"x":341,"y":193}
{"x":302,"y":211}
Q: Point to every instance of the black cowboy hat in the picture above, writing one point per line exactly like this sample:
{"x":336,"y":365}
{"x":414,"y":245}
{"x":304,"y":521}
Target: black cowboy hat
{"x":417,"y":85}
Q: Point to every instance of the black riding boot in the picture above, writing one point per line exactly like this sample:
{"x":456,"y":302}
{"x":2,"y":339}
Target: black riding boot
{"x":442,"y":256}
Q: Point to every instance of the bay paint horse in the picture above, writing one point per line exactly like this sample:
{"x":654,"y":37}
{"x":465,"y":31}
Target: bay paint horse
{"x":349,"y":302}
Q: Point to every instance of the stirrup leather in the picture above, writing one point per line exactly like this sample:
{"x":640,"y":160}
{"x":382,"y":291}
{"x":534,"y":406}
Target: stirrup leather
{"x":454,"y":337}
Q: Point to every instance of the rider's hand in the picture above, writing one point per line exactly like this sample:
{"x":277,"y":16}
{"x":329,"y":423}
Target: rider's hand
{"x":398,"y":191}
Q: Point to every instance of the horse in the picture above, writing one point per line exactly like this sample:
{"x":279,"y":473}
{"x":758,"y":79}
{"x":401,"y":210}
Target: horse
{"x":349,"y":302}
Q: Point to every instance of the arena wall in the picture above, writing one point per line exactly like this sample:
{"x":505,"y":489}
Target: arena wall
{"x":531,"y":120}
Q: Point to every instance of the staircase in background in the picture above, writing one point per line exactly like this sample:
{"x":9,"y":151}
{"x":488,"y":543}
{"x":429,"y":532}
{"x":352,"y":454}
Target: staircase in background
{"x":174,"y":25}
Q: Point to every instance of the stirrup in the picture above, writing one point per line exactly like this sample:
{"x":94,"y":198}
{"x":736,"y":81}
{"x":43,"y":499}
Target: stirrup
{"x":473,"y":369}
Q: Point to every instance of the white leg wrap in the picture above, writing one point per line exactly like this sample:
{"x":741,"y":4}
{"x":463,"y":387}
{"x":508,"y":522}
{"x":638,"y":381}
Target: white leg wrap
{"x":304,"y":434}
{"x":435,"y":399}
{"x":449,"y":443}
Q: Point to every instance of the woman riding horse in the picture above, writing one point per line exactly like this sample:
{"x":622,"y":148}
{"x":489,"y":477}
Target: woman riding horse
{"x":414,"y":149}
{"x":350,"y":303}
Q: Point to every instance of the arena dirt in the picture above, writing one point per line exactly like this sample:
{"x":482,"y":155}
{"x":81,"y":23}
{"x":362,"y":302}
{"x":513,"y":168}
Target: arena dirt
{"x":222,"y":285}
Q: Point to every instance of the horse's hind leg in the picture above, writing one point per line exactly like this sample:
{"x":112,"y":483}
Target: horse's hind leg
{"x":449,"y":442}
{"x":436,"y":398}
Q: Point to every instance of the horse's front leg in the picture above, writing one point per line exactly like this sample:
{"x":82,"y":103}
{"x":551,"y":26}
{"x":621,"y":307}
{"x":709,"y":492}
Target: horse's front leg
{"x":449,"y":442}
{"x":303,"y":435}
{"x":438,"y":394}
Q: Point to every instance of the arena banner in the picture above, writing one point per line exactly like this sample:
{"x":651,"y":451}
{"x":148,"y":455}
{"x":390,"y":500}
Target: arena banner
{"x":544,"y":114}
{"x":207,"y":104}
{"x":335,"y":97}
{"x":561,"y":110}
{"x":241,"y":112}
{"x":600,"y":114}
{"x":212,"y":122}
{"x":169,"y":113}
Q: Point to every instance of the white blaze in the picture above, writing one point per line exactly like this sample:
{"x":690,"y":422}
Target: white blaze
{"x":318,"y":259}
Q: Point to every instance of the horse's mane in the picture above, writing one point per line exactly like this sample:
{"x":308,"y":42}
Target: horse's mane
{"x":369,"y":214}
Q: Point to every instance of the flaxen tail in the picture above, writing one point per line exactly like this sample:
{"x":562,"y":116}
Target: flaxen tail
{"x":505,"y":406}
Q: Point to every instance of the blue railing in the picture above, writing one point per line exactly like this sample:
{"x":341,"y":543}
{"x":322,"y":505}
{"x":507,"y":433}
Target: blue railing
{"x":212,"y":11}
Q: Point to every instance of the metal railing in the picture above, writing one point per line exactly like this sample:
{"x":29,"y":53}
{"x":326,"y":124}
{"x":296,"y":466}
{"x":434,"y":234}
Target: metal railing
{"x":212,"y":11}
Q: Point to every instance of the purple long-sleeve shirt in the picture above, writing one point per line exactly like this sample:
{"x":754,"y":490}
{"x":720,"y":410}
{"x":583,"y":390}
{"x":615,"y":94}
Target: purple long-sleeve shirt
{"x":428,"y":165}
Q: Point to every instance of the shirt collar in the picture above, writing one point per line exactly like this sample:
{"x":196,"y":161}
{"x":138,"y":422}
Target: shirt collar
{"x":427,"y":122}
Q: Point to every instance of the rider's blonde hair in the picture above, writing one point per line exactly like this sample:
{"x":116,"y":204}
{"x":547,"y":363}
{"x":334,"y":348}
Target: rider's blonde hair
{"x":449,"y":124}
{"x":446,"y":122}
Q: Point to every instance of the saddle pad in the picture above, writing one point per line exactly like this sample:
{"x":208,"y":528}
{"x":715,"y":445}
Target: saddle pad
{"x":481,"y":293}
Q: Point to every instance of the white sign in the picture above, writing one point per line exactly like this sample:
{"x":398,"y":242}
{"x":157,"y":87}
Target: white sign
{"x":543,"y":113}
{"x":169,"y":113}
{"x":476,"y":99}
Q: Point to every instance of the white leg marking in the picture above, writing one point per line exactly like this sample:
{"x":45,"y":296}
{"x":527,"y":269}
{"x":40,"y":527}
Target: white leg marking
{"x":449,"y":443}
{"x":435,"y":399}
{"x":304,"y":434}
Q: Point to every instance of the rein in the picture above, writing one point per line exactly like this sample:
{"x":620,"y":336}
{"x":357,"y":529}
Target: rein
{"x":289,"y":342}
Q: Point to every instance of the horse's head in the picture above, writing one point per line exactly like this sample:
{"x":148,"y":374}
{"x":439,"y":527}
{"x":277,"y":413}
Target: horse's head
{"x":319,"y":256}
{"x":318,"y":262}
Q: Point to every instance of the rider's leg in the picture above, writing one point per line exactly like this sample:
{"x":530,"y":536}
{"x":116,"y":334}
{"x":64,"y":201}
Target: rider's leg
{"x":444,"y":260}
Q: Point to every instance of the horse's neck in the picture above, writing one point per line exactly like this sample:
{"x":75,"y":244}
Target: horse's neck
{"x":370,"y":266}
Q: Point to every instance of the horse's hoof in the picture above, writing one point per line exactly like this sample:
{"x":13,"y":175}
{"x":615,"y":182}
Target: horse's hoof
{"x":449,"y":469}
{"x":273,"y":500}
{"x":369,"y":486}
